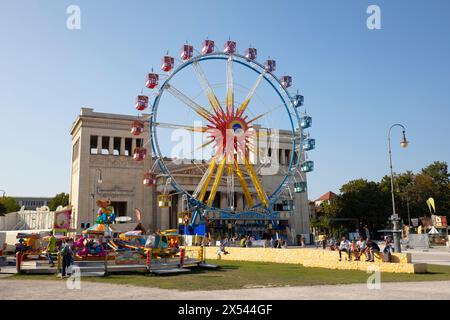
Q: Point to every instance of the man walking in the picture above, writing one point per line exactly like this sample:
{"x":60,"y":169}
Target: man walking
{"x":51,"y":249}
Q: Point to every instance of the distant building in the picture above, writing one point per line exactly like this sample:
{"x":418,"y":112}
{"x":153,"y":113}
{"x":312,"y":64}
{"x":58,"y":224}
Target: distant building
{"x":325,"y":198}
{"x":32,"y":203}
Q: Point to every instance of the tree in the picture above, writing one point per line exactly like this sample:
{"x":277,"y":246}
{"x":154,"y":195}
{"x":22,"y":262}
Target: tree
{"x":364,"y":200}
{"x":2,"y":209}
{"x":438,"y":172}
{"x":61,"y":199}
{"x":8,"y":204}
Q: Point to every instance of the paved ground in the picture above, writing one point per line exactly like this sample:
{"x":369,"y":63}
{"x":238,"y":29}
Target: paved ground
{"x":32,"y":289}
{"x":439,"y":256}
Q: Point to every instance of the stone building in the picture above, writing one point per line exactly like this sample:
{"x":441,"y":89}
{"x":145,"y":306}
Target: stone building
{"x":103,"y":167}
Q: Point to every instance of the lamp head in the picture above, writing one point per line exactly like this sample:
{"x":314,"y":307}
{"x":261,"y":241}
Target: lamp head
{"x":404,"y":142}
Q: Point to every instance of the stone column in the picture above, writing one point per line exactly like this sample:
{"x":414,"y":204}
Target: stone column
{"x":223,"y":200}
{"x":165,"y":218}
{"x":99,"y":144}
{"x":133,"y":146}
{"x":111,"y":146}
{"x":122,"y":146}
{"x":239,"y":201}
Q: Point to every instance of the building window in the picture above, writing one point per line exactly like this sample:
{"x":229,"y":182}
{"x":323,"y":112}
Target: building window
{"x":105,"y":145}
{"x":93,"y":144}
{"x":116,"y":147}
{"x":128,"y":143}
{"x":287,"y":154}
{"x":139,"y":143}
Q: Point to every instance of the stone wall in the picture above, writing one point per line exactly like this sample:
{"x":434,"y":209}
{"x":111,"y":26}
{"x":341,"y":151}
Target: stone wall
{"x":317,"y":258}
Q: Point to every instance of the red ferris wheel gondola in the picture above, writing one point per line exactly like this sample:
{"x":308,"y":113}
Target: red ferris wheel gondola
{"x":137,"y":127}
{"x":167,"y":63}
{"x":229,"y":47}
{"x":139,"y":154}
{"x":152,"y":80}
{"x":149,"y":179}
{"x":251,"y":53}
{"x":270,"y":65}
{"x":141,"y":102}
{"x":187,"y":52}
{"x":208,"y":46}
{"x":286,"y":81}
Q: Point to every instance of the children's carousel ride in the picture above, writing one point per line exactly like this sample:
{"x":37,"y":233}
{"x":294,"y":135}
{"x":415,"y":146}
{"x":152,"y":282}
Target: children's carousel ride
{"x":239,"y":140}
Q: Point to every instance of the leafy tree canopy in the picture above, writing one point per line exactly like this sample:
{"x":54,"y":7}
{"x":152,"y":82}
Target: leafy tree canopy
{"x":8,"y":204}
{"x":61,"y":199}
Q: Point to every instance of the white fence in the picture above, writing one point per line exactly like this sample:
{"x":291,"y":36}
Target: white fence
{"x":42,"y":218}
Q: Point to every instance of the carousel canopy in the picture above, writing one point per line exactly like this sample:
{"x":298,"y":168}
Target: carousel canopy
{"x":126,"y":227}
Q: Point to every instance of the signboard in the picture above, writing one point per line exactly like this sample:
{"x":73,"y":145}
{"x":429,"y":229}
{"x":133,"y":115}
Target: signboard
{"x":62,"y":220}
{"x":249,"y":215}
{"x":439,"y":221}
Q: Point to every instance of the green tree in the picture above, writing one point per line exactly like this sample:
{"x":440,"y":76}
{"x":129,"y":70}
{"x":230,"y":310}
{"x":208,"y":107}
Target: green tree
{"x":9,"y":205}
{"x":438,"y":172}
{"x":364,"y":200}
{"x":61,"y":199}
{"x":2,"y":209}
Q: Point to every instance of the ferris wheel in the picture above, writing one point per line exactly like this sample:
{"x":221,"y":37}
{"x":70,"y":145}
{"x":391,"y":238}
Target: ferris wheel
{"x":234,"y":112}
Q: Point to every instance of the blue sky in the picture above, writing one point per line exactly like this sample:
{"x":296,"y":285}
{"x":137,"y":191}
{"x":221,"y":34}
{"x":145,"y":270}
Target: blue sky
{"x":356,"y":82}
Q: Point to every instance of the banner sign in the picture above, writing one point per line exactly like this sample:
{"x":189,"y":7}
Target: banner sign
{"x":62,"y":220}
{"x":249,"y":215}
{"x":439,"y":221}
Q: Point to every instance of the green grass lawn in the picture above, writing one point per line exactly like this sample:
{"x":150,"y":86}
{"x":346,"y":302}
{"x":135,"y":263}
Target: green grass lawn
{"x":235,"y":275}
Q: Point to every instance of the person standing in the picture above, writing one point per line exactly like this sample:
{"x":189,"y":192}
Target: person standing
{"x":67,"y":257}
{"x":51,"y":249}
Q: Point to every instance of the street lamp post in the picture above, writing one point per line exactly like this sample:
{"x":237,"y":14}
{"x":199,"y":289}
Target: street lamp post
{"x":99,"y":181}
{"x":395,"y":220}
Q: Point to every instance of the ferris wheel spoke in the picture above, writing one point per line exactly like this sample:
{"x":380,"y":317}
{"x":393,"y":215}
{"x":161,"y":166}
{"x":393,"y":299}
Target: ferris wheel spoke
{"x":259,"y":190}
{"x":216,"y":183}
{"x":206,"y":179}
{"x":180,"y":126}
{"x":201,"y":111}
{"x":244,"y":186}
{"x":230,"y":185}
{"x":249,"y":97}
{"x":208,"y":90}
{"x":264,"y":114}
{"x":230,"y":87}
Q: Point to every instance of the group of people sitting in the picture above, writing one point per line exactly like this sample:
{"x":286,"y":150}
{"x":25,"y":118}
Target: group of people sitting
{"x":368,"y":247}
